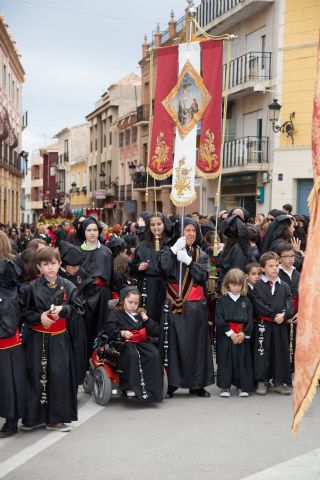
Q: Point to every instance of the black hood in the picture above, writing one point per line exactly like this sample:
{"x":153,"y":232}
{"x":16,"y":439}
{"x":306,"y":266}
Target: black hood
{"x":177,"y":230}
{"x":70,"y":254}
{"x":9,"y":273}
{"x":275,"y":230}
{"x":233,"y":227}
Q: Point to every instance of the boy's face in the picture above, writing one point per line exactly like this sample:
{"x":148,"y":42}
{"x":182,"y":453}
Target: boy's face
{"x":271,"y":269}
{"x":49,"y":269}
{"x":72,"y":269}
{"x":92,"y":233}
{"x":254,"y":275}
{"x":287,"y":259}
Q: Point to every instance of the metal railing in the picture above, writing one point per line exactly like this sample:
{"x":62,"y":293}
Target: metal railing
{"x":248,"y":67}
{"x":245,"y":151}
{"x":209,"y":10}
{"x":139,"y":180}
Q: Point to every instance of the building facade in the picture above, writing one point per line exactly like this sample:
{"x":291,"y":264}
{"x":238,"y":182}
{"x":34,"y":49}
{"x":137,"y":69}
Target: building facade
{"x":12,"y":123}
{"x":119,"y":99}
{"x":36,"y":186}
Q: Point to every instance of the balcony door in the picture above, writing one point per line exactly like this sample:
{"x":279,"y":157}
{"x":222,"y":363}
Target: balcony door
{"x":256,"y":46}
{"x":252,"y":132}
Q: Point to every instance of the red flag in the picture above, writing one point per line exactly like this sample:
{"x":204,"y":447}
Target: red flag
{"x":307,"y":356}
{"x":162,"y":140}
{"x":208,"y":161}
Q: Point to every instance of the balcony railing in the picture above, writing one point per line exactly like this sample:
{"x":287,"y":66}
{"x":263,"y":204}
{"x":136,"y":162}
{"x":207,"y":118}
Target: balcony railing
{"x":140,"y":181}
{"x":252,"y":66}
{"x":209,"y":10}
{"x":245,"y":151}
{"x":143,"y":113}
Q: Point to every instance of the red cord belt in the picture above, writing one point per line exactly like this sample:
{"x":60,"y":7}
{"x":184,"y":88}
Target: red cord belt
{"x":13,"y":341}
{"x":59,"y":326}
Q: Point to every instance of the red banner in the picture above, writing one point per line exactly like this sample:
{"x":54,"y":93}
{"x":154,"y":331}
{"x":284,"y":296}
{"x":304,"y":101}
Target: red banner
{"x":162,"y":140}
{"x":208,"y":161}
{"x":307,"y":356}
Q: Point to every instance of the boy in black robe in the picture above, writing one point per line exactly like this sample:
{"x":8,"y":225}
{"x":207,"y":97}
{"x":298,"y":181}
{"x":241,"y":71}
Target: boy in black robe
{"x":71,"y":259}
{"x":273,"y":305}
{"x":12,"y":354}
{"x":51,"y":304}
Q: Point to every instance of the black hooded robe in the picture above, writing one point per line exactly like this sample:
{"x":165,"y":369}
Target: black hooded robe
{"x":12,"y":360}
{"x":134,"y":355}
{"x":190,"y":363}
{"x":61,"y":375}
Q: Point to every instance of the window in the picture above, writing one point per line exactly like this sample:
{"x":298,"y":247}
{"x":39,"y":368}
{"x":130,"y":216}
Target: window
{"x":110,"y":138}
{"x":4,"y":78}
{"x":128,"y":136}
{"x":121,"y":139}
{"x":90,"y":146}
{"x":134,"y":134}
{"x":96,"y":144}
{"x":13,"y":90}
{"x":9,"y":85}
{"x":17,"y":99}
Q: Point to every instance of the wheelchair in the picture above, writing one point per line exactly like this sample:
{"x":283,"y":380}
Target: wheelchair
{"x":103,"y":377}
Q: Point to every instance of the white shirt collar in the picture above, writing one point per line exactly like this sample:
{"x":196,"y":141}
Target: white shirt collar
{"x":266,"y":280}
{"x":288,"y":272}
{"x":234,"y":296}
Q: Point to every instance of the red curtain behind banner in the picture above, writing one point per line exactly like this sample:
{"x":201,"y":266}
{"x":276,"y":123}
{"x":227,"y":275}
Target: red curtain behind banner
{"x":208,"y":162}
{"x":162,"y":140}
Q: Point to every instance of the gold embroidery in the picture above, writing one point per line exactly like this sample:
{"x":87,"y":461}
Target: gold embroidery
{"x":207,"y":151}
{"x":161,"y":152}
{"x":183,"y":180}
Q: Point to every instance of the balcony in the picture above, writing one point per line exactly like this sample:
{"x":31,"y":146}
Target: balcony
{"x":219,"y":16}
{"x":143,"y":113}
{"x":140,"y":181}
{"x":246,"y":72}
{"x":246,"y":153}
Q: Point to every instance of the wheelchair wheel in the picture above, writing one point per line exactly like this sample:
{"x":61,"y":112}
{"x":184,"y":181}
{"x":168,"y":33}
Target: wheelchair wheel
{"x":88,"y":382}
{"x":102,"y":387}
{"x":165,"y":385}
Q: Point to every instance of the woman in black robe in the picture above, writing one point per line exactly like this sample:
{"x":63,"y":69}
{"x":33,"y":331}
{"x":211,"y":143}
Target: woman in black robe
{"x":97,"y":264}
{"x":188,"y":357}
{"x":144,"y":265}
{"x":12,"y":354}
{"x":140,"y":361}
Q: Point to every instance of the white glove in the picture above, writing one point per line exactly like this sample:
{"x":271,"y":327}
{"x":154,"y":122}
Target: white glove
{"x":179,"y":245}
{"x":183,"y":257}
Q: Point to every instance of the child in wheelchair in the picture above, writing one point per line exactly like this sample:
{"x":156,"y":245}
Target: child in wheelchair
{"x":127,"y":329}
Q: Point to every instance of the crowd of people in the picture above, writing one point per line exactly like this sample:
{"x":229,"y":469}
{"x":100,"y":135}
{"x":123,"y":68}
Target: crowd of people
{"x":177,"y":295}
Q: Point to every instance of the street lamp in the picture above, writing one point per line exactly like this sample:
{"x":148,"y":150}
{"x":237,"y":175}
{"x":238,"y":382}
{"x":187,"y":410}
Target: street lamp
{"x":287,"y":127}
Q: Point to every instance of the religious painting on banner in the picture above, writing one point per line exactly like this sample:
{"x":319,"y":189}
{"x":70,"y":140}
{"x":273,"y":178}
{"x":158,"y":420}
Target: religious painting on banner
{"x":307,"y":354}
{"x":188,"y":99}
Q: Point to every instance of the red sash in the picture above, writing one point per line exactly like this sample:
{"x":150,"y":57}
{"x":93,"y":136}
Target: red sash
{"x":296,"y":302}
{"x":59,"y":326}
{"x":196,"y":293}
{"x":100,"y":282}
{"x":138,"y":336}
{"x":236,"y":327}
{"x":13,"y":341}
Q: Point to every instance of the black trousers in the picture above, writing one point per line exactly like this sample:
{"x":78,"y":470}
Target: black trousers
{"x":271,"y":356}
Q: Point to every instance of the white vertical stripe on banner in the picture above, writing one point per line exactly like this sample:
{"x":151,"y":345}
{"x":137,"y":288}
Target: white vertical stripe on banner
{"x":183,"y":192}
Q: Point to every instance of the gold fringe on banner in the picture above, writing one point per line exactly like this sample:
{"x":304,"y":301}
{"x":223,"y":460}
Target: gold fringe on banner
{"x":306,"y":402}
{"x":159,"y":176}
{"x":207,"y":176}
{"x":183,"y":203}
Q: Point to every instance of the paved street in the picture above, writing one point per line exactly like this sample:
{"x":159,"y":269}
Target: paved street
{"x":183,"y":438}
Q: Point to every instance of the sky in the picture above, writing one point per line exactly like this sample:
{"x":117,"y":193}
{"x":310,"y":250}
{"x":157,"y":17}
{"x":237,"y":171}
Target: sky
{"x":72,"y":50}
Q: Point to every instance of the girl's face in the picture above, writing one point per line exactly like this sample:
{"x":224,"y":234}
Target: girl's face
{"x":131,"y":302}
{"x":92,"y":233}
{"x":235,"y":288}
{"x":156,"y":226}
{"x":254,"y":275}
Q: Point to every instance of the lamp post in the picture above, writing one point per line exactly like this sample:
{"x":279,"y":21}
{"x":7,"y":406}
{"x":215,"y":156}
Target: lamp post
{"x":287,"y":127}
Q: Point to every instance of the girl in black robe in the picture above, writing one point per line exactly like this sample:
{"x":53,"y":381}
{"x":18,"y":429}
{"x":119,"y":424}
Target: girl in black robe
{"x":144,"y":265}
{"x":140,"y":360}
{"x":51,"y":304}
{"x":97,"y":264}
{"x":234,"y":328}
{"x":185,"y":341}
{"x":12,"y":354}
